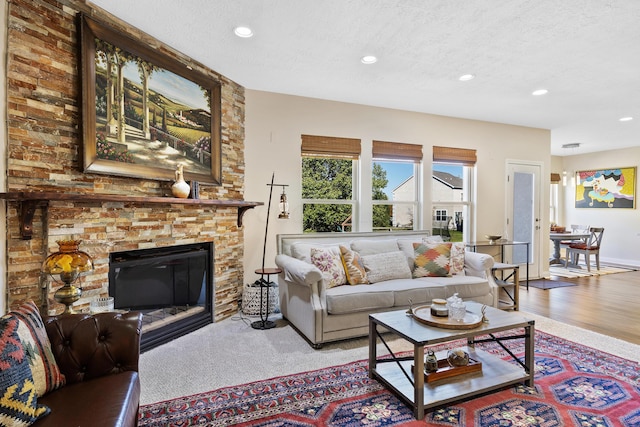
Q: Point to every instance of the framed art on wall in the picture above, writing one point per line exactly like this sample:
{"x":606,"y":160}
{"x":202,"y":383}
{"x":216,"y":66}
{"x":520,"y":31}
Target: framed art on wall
{"x":606,"y":188}
{"x":144,"y":112}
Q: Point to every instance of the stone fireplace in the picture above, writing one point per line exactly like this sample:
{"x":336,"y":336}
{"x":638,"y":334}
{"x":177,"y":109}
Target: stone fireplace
{"x":50,"y":197}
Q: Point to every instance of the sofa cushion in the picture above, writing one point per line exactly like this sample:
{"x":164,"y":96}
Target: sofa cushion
{"x":328,"y":261}
{"x":432,"y":259}
{"x":467,"y":287}
{"x":386,"y":266}
{"x":349,"y":299}
{"x":117,"y":396}
{"x":416,"y":290}
{"x":372,"y":247}
{"x":18,"y":399}
{"x":44,"y":368}
{"x":406,"y":246}
{"x":353,"y":266}
{"x":397,"y":292}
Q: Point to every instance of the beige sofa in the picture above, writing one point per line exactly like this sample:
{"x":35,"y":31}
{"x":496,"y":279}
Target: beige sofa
{"x":324,"y":314}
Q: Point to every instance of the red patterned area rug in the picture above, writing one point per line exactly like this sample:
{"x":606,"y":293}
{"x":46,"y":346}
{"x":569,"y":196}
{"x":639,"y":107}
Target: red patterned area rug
{"x":575,"y":385}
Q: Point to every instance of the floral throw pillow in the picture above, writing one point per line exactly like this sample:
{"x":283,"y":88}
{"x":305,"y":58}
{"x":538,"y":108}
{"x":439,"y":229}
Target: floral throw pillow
{"x":432,"y":260}
{"x":329,"y":263}
{"x":457,"y":258}
{"x":353,"y":266}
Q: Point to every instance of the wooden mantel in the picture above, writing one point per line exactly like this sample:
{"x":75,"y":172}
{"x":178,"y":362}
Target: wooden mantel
{"x":29,"y":200}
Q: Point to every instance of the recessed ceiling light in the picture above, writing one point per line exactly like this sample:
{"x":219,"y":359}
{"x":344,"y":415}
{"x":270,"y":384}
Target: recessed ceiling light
{"x":369,"y":59}
{"x":466,"y":77}
{"x":539,"y":92}
{"x":626,"y":119}
{"x":244,"y":32}
{"x":571,"y":145}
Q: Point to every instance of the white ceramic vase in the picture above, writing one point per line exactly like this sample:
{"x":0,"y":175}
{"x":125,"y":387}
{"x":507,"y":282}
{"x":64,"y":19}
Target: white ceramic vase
{"x":180,"y":188}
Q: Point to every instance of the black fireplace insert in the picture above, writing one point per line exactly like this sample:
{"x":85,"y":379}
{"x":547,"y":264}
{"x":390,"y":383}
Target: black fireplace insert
{"x":171,"y":286}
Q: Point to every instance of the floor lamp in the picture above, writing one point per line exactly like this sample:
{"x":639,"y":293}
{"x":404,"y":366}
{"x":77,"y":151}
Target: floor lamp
{"x":264,"y":322}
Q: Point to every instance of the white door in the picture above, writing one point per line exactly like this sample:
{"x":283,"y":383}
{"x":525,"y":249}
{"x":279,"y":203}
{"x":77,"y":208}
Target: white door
{"x":524,"y":215}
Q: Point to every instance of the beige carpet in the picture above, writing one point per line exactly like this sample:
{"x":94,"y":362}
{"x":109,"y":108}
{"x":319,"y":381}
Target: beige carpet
{"x":230,"y":352}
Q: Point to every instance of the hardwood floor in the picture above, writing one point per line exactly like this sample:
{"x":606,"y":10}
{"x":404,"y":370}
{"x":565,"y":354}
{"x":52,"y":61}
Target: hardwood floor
{"x":608,"y":304}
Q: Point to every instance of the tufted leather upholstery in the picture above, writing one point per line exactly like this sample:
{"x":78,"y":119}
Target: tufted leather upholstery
{"x":90,"y":346}
{"x":99,"y":356}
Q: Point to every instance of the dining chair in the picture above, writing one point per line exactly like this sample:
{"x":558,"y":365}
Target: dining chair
{"x":591,"y":246}
{"x":575,"y":229}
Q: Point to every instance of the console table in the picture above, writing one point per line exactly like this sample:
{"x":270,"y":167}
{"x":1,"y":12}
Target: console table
{"x":502,"y":244}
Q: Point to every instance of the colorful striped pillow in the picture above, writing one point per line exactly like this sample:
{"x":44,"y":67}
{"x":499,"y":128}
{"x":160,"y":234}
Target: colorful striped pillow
{"x":46,"y":373}
{"x":353,"y":266}
{"x":18,"y":397}
{"x":432,"y":260}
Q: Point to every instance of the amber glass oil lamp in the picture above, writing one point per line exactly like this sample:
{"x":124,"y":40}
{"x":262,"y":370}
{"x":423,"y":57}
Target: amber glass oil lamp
{"x":64,"y":267}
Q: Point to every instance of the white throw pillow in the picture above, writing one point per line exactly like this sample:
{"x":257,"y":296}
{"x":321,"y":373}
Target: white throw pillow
{"x":386,"y":266}
{"x":406,"y":246}
{"x":433,"y":239}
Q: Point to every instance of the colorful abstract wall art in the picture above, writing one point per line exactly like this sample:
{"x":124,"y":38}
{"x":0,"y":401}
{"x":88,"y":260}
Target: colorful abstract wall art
{"x":606,"y":188}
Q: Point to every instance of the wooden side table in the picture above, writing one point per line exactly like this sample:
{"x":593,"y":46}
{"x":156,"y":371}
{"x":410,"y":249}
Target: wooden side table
{"x":264,"y":322}
{"x":507,"y":277}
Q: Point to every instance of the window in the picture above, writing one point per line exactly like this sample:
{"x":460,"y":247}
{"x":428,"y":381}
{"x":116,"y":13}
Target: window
{"x":395,"y":184}
{"x":451,"y":192}
{"x":329,"y":177}
{"x":441,"y":215}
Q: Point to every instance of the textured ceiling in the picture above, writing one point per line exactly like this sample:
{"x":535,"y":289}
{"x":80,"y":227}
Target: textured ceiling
{"x":585,"y":52}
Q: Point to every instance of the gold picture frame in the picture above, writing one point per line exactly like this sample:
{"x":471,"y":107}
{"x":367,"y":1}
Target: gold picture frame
{"x":144,"y":112}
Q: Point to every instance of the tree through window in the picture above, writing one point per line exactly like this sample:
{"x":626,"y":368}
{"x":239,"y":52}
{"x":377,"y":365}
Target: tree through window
{"x":329,"y":167}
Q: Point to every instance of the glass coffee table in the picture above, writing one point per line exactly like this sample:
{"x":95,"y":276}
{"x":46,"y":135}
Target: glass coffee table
{"x":396,"y":373}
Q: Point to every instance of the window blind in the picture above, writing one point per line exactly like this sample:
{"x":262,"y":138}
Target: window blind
{"x":330,"y":146}
{"x":461,"y":156}
{"x":397,"y":151}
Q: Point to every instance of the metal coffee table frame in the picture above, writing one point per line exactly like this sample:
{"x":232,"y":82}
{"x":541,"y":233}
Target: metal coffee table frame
{"x":395,"y":373}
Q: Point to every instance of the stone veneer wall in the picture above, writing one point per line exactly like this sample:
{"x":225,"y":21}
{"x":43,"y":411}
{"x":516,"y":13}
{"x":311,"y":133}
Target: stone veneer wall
{"x":43,"y":150}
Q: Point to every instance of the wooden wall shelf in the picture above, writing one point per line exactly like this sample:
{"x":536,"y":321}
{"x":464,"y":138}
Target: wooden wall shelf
{"x":29,"y":200}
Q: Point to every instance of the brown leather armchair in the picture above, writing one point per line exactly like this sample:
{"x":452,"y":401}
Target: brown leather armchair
{"x":98,"y":354}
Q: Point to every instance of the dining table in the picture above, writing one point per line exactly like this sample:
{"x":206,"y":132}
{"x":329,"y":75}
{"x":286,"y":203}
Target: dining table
{"x":556,"y":238}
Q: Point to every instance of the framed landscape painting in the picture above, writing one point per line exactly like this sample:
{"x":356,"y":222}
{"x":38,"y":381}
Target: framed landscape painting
{"x":606,"y":188}
{"x":144,"y":113}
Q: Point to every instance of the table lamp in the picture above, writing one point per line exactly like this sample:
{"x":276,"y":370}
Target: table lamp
{"x":65,"y":266}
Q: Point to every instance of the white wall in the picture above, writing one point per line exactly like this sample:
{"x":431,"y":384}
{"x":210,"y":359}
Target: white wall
{"x":274,"y":123}
{"x":621,"y":226}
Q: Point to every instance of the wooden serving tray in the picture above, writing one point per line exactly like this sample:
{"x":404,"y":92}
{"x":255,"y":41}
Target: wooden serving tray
{"x":423,"y":314}
{"x":447,"y":371}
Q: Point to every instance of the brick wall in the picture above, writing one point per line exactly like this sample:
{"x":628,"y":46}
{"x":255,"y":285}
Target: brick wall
{"x":43,"y":150}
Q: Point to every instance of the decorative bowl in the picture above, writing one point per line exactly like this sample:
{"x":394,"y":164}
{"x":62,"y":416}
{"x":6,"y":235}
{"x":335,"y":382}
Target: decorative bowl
{"x":492,"y":238}
{"x":458,"y":357}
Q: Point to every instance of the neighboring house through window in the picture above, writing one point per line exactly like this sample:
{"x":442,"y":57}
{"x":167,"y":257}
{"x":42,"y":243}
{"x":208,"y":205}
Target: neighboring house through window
{"x":395,"y":197}
{"x":451,"y":192}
